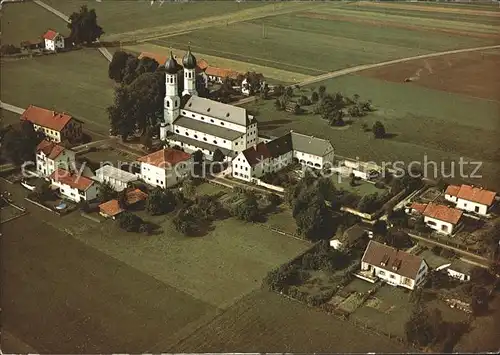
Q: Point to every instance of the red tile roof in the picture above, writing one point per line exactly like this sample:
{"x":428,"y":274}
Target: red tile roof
{"x":256,"y":154}
{"x":160,"y":58}
{"x":452,"y":190}
{"x":420,"y":207}
{"x":443,"y":213}
{"x":50,"y":149}
{"x":165,"y":157}
{"x":50,"y":35}
{"x":71,"y":179}
{"x":110,"y":208}
{"x":476,"y":194}
{"x":46,"y":118}
{"x":135,"y":196}
{"x":202,"y":64}
{"x":221,"y":73}
{"x":385,"y":257}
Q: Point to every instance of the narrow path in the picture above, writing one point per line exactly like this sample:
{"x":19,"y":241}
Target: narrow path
{"x":102,"y":50}
{"x":359,"y":68}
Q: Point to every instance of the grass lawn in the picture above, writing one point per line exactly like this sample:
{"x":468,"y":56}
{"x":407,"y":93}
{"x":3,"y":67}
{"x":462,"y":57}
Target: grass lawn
{"x":361,"y":189}
{"x":129,"y":15}
{"x":424,"y":122}
{"x":8,"y":118}
{"x":78,"y":299}
{"x":267,"y":322}
{"x":74,"y":82}
{"x":109,"y":155}
{"x":217,"y":268}
{"x":27,"y":22}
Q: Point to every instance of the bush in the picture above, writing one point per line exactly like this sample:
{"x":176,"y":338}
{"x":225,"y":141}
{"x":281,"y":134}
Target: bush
{"x":379,"y":185}
{"x":9,"y":49}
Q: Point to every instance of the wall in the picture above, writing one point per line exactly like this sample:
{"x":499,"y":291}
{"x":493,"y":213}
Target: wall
{"x":472,"y":206}
{"x":450,"y":198}
{"x":211,"y":120}
{"x":458,"y":275}
{"x":269,"y":186}
{"x":241,"y":169}
{"x":153,"y":175}
{"x":202,"y":137}
{"x":179,"y":172}
{"x":439,"y":225}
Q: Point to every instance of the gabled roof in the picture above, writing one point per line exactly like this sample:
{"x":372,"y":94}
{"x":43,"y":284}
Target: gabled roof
{"x":476,"y":194}
{"x":311,"y":145}
{"x":221,"y":73}
{"x":420,"y":207}
{"x":160,"y":58}
{"x":280,"y":145}
{"x":202,"y":64}
{"x":385,"y":257}
{"x":115,"y":173}
{"x":46,"y":118}
{"x":50,"y":149}
{"x":71,"y":179}
{"x":135,"y":196}
{"x":223,"y":112}
{"x":452,"y":190}
{"x":443,"y":213}
{"x":256,"y":154}
{"x":165,"y":158}
{"x":50,"y":35}
{"x":111,"y":208}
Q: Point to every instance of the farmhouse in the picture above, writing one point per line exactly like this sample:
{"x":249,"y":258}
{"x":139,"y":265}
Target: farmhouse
{"x":165,"y":168}
{"x":56,"y":126}
{"x":117,"y":178}
{"x":393,"y":266}
{"x":53,"y":40}
{"x":279,"y":153}
{"x":73,"y":186}
{"x":217,"y":75}
{"x":470,"y":198}
{"x":112,"y":208}
{"x":50,"y":156}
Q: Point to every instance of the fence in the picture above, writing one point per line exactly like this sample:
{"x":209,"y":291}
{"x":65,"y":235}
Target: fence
{"x":270,"y":186}
{"x":42,"y":206}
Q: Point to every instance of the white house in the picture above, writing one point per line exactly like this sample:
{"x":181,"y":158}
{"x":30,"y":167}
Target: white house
{"x":53,"y":40}
{"x":362,"y":170}
{"x":280,"y":152}
{"x":166,"y":167}
{"x":457,"y":269}
{"x":217,"y":75}
{"x":73,"y":186}
{"x":50,"y":156}
{"x":393,"y":266}
{"x":470,"y":198}
{"x":56,"y":126}
{"x":117,"y":178}
{"x":442,"y":218}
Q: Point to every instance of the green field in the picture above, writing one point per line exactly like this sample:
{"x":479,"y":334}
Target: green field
{"x":419,"y":118}
{"x":74,"y":82}
{"x":8,"y":118}
{"x":27,"y":22}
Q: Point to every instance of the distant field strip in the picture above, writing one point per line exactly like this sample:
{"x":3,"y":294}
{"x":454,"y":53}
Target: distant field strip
{"x":147,"y":34}
{"x":453,"y":10}
{"x":427,"y":22}
{"x":241,"y":66}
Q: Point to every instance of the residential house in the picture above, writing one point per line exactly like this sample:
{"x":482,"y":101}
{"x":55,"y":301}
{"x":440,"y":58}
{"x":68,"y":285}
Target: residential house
{"x":117,"y":178}
{"x":457,"y":269}
{"x":362,"y":170}
{"x":276,"y":154}
{"x":112,"y":208}
{"x":442,"y":218}
{"x":396,"y":267}
{"x":471,"y":198}
{"x":166,"y":167}
{"x":217,"y":75}
{"x":73,"y":186}
{"x":56,"y":126}
{"x":50,"y":156}
{"x":53,"y":40}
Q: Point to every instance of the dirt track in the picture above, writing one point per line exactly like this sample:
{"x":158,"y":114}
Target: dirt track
{"x":474,"y":74}
{"x":448,"y":10}
{"x":393,"y":24}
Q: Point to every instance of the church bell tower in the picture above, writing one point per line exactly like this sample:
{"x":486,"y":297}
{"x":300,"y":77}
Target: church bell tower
{"x":172,"y":102}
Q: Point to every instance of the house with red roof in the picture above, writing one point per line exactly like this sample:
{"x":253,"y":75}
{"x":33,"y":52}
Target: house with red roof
{"x":112,"y":208}
{"x":50,"y":156}
{"x":56,"y":126}
{"x":471,"y":198}
{"x":394,"y":266}
{"x":166,"y":167}
{"x":441,"y":218}
{"x":53,"y":40}
{"x":73,"y":185}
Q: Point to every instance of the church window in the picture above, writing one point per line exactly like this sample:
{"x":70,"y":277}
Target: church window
{"x":195,"y":136}
{"x":193,"y":115}
{"x":176,"y":131}
{"x":208,"y":109}
{"x":187,"y":134}
{"x":224,"y":141}
{"x":211,"y":120}
{"x":215,"y":142}
{"x":236,"y":143}
{"x":183,"y":112}
{"x":205,"y":139}
{"x":202,"y":118}
{"x":222,"y":123}
{"x":168,"y":103}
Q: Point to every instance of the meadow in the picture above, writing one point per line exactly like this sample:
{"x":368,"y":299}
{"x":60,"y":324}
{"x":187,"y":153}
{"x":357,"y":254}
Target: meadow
{"x":8,"y":118}
{"x":75,"y":82}
{"x":27,"y":22}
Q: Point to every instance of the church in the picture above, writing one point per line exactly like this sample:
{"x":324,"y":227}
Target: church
{"x":195,"y":123}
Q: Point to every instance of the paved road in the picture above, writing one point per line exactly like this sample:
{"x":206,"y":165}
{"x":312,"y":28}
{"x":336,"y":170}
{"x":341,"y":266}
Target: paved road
{"x":359,"y":68}
{"x":58,"y":13}
{"x":11,"y":108}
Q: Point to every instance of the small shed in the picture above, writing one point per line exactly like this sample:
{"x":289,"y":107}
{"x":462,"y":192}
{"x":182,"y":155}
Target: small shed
{"x":352,"y":237}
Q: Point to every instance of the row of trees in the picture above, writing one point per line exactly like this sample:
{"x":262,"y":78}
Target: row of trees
{"x":19,"y":144}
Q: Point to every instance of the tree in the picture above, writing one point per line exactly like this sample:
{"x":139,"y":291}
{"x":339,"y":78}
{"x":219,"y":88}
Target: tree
{"x":146,"y":228}
{"x":218,"y":155}
{"x":289,"y":92}
{"x":304,"y":101}
{"x":188,"y":188}
{"x":160,"y":201}
{"x":378,"y":130}
{"x":321,"y":91}
{"x":42,"y":191}
{"x":19,"y":145}
{"x":279,"y":90}
{"x":368,"y":203}
{"x":314,"y":97}
{"x":247,"y":210}
{"x":424,"y":327}
{"x":264,"y":93}
{"x":84,"y":27}
{"x":122,"y":199}
{"x":129,"y":221}
{"x":106,"y":192}
{"x":314,"y":221}
{"x":480,"y":297}
{"x":116,"y":69}
{"x":355,"y":98}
